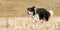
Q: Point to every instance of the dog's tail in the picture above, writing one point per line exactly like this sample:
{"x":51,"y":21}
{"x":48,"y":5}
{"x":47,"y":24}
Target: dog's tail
{"x":51,"y":12}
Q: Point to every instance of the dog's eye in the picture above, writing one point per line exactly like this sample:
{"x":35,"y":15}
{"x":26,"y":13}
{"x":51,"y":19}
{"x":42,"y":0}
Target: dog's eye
{"x":29,"y":9}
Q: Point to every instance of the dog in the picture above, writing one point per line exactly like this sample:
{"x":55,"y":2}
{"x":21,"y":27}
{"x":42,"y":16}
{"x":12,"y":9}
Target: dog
{"x":39,"y":13}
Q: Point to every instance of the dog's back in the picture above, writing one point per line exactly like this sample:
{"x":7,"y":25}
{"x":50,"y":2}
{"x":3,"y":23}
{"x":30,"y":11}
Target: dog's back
{"x":43,"y":13}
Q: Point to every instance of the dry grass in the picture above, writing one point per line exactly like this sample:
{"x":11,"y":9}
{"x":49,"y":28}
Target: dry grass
{"x":26,"y":23}
{"x":13,"y":12}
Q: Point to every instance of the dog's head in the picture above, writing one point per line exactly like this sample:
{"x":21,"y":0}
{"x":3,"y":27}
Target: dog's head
{"x":31,"y":10}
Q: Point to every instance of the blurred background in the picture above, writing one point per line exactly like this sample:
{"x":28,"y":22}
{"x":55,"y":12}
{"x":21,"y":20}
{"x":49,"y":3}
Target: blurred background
{"x":17,"y":8}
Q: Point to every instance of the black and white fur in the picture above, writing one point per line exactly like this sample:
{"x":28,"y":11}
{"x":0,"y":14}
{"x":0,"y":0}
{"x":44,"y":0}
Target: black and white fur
{"x":40,"y":13}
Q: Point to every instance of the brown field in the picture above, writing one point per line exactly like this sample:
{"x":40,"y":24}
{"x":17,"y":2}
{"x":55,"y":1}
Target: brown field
{"x":13,"y":15}
{"x":9,"y":8}
{"x":27,"y":23}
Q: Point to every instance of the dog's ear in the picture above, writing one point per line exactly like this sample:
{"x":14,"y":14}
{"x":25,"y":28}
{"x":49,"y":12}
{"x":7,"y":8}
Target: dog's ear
{"x":33,"y":7}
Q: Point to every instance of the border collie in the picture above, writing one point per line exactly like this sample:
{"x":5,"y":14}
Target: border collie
{"x":39,"y":13}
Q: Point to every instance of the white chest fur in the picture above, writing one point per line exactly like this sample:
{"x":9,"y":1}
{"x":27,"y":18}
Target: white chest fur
{"x":36,"y":17}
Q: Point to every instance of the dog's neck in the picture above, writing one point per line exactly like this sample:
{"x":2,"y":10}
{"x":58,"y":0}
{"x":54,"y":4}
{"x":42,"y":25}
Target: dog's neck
{"x":34,"y":11}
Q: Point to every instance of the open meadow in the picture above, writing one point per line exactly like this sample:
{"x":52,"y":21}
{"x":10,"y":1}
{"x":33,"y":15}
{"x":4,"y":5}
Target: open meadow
{"x":26,"y":23}
{"x":13,"y":15}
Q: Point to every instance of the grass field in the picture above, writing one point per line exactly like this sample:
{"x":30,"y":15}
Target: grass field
{"x":13,"y":15}
{"x":27,"y":23}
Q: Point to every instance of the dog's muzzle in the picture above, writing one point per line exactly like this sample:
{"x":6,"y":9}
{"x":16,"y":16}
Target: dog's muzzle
{"x":29,"y":13}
